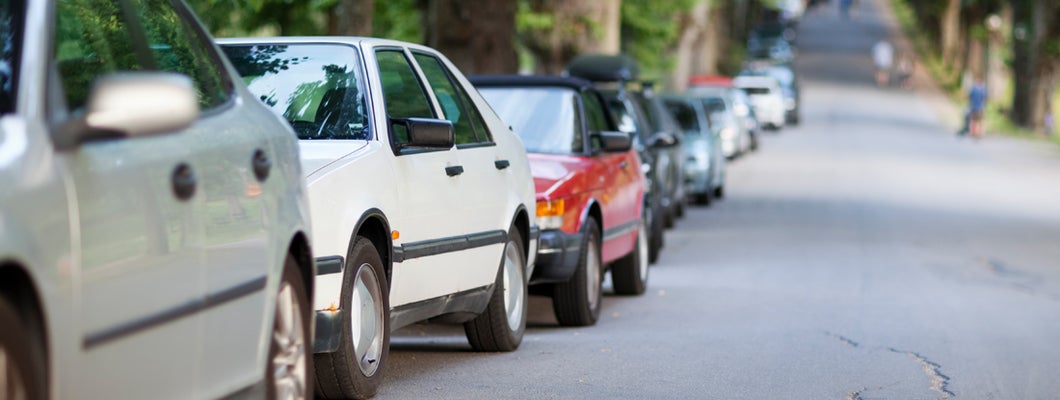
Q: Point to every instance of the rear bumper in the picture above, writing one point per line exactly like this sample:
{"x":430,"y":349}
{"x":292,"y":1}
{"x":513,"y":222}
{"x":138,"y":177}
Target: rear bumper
{"x":557,"y":256}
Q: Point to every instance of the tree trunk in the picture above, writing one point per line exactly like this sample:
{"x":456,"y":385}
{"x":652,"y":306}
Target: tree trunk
{"x":692,"y":45}
{"x":950,"y":30}
{"x":1034,"y":66}
{"x":479,"y":37}
{"x":577,"y":27}
{"x":352,"y":18}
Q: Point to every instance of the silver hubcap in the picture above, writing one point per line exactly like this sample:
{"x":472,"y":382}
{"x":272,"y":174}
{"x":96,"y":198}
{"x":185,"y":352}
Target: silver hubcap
{"x":288,"y":363}
{"x":514,"y":289}
{"x":366,"y":319}
{"x":10,"y":379}
{"x":642,"y":251}
{"x":592,"y":275}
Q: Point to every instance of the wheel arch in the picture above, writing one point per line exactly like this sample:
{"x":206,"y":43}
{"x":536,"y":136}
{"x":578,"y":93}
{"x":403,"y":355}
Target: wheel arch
{"x":374,"y":226}
{"x":521,"y":221}
{"x":594,"y":211}
{"x":302,"y":253}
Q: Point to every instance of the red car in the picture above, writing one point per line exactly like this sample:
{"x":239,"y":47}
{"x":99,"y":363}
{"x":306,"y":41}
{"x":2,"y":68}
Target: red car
{"x":590,"y":190}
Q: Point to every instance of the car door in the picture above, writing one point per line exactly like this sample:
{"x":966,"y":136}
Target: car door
{"x":139,"y":230}
{"x":231,"y":162}
{"x":620,"y":173}
{"x":483,"y":188}
{"x":428,"y":218}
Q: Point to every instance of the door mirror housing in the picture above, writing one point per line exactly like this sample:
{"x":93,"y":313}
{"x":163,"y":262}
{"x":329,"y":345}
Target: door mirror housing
{"x":663,"y":139}
{"x":614,"y":141}
{"x":426,"y":132}
{"x":133,"y":104}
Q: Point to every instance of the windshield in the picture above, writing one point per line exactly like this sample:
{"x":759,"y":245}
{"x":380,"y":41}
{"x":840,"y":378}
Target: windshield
{"x":543,"y":117}
{"x":317,"y":88}
{"x":10,"y":30}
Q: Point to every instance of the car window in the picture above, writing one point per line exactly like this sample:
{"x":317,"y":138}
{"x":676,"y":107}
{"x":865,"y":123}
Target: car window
{"x":318,"y":88}
{"x":525,"y":109}
{"x":11,"y":39}
{"x":403,"y":96}
{"x":595,"y":116}
{"x":684,"y":114}
{"x":756,"y":90}
{"x":94,"y":39}
{"x":179,"y":46}
{"x":468,"y":126}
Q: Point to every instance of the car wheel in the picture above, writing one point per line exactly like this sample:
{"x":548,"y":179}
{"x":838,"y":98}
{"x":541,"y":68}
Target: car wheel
{"x":630,"y":273}
{"x":289,"y":365}
{"x":719,"y":192}
{"x":355,"y":371}
{"x":656,"y":231}
{"x":704,"y":199}
{"x":21,"y":373}
{"x":577,"y":301}
{"x":501,"y":326}
{"x":668,"y":217}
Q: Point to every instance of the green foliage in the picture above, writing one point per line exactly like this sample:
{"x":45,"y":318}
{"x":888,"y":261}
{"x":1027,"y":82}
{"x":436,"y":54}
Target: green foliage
{"x":399,"y":20}
{"x":649,"y":32}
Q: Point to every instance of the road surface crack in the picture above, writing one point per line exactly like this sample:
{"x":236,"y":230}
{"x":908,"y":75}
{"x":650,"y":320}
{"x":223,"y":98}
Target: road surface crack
{"x":939,"y":381}
{"x":847,"y":341}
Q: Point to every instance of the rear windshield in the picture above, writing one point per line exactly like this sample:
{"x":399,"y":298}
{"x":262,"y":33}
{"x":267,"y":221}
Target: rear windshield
{"x":318,"y":88}
{"x":545,"y":118}
{"x":756,"y":90}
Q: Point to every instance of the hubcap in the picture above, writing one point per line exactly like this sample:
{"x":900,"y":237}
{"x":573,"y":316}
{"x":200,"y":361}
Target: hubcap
{"x":592,"y":275}
{"x":366,"y":320}
{"x":288,"y":363}
{"x":514,"y":289}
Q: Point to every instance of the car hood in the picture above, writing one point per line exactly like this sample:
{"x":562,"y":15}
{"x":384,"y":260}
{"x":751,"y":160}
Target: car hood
{"x":552,"y":172}
{"x":318,"y":155}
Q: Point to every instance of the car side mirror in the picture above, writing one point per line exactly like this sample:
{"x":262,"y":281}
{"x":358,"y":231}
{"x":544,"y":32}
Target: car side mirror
{"x":133,"y":104}
{"x":662,"y":139}
{"x":427,"y":132}
{"x":614,"y":141}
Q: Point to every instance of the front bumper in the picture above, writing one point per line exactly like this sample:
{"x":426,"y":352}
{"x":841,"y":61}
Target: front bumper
{"x":558,"y":255}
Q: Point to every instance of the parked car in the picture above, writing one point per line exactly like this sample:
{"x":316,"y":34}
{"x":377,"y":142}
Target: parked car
{"x":154,"y":235}
{"x":789,"y":85}
{"x":767,"y":99}
{"x":590,"y":190}
{"x":669,"y":139}
{"x":653,"y":148}
{"x":721,"y":103}
{"x":705,"y":165}
{"x":421,"y":197}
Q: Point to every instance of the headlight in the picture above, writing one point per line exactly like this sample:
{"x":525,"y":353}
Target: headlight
{"x":789,"y":104}
{"x":728,"y":133}
{"x":550,"y":214}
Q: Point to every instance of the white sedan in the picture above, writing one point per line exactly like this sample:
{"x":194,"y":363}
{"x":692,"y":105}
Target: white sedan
{"x":767,"y":99}
{"x":421,"y":197}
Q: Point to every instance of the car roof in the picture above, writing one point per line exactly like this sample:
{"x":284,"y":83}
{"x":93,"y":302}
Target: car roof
{"x":755,"y":80}
{"x":529,"y":81}
{"x":342,"y":40}
{"x":710,"y":80}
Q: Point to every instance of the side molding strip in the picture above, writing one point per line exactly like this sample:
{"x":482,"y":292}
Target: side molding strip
{"x":432,"y":247}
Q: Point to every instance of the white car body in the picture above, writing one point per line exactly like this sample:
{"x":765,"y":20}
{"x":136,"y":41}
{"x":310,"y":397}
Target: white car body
{"x":767,"y":99}
{"x":145,"y":259}
{"x":359,"y":183}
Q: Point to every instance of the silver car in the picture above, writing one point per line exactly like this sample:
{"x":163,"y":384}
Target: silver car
{"x":705,"y":166}
{"x":153,"y":235}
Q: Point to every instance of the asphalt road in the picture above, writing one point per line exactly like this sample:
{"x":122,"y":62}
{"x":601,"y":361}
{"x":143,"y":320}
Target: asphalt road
{"x":866,"y":254}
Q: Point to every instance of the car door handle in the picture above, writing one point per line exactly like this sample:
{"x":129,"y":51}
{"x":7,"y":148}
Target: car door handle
{"x":623,"y":164}
{"x":261,"y":165}
{"x":501,"y":164}
{"x":183,"y":181}
{"x":454,"y":170}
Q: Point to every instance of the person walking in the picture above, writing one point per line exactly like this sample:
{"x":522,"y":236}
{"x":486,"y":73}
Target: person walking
{"x":883,"y":56}
{"x":976,"y":106}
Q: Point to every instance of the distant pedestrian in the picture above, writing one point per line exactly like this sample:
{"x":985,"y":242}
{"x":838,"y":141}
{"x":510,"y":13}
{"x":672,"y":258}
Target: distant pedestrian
{"x":976,"y":106}
{"x":883,"y":56}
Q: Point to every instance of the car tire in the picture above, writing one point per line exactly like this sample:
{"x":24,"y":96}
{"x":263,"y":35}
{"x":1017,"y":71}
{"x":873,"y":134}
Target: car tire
{"x":657,"y":239}
{"x":502,"y":325}
{"x":704,"y":199}
{"x":719,"y":192}
{"x":21,"y":361}
{"x":629,"y":274}
{"x":355,"y":370}
{"x":289,"y":368}
{"x":577,"y":301}
{"x":669,"y":217}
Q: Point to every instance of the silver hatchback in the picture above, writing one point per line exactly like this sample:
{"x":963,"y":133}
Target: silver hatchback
{"x":152,"y":213}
